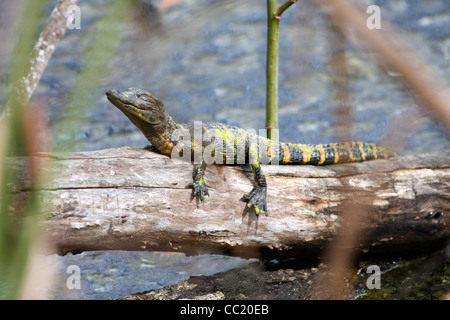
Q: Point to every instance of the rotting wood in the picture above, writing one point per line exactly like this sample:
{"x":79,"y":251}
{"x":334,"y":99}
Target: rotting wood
{"x":136,"y":199}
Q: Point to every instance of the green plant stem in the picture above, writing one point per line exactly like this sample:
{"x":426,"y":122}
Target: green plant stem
{"x":272,"y":68}
{"x":273,"y":21}
{"x":283,"y":7}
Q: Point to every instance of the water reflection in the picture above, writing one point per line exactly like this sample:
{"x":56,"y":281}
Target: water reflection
{"x":114,"y":274}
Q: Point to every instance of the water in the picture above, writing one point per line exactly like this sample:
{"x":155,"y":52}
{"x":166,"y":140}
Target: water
{"x":206,"y":60}
{"x":114,"y":274}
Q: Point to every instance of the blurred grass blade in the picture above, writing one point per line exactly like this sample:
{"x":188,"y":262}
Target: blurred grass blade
{"x":14,"y":240}
{"x":105,"y":37}
{"x":19,"y":220}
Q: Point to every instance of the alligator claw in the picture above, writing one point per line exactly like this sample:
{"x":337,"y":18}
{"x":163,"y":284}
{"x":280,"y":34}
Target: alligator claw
{"x":256,"y":199}
{"x":199,"y":189}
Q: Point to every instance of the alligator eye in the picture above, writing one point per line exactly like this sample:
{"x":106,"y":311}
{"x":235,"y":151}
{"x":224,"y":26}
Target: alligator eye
{"x":146,"y":97}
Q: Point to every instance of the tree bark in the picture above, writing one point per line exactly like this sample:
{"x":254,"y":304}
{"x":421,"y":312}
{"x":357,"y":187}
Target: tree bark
{"x":135,"y":199}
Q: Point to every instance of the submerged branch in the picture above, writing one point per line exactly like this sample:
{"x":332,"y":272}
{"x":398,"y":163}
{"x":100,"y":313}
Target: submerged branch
{"x":41,"y":54}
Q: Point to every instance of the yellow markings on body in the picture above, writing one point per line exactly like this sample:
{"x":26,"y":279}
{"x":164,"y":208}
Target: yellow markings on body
{"x":205,"y":128}
{"x":196,"y":147}
{"x":352,"y":146}
{"x":306,"y":154}
{"x":227,"y":135}
{"x":253,"y":156}
{"x":322,"y":155}
{"x":336,"y":154}
{"x":207,"y":133}
{"x":363,"y":153}
{"x":269,"y":149}
{"x":286,"y":153}
{"x":374,"y":151}
{"x":350,"y":153}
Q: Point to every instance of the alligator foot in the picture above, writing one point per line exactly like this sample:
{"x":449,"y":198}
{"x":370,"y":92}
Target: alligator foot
{"x":256,"y":199}
{"x":199,"y":189}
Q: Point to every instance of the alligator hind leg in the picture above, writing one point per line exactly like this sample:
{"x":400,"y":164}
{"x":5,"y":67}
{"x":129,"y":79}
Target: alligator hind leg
{"x":257,"y":197}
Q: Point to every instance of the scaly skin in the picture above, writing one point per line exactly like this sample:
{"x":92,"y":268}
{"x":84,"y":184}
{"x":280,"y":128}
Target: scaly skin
{"x":230,"y":145}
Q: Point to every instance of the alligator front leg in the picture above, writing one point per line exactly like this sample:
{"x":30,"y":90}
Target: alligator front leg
{"x":257,"y":197}
{"x":199,"y":187}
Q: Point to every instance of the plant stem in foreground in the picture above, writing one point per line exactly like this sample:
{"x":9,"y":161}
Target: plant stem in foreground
{"x":272,"y":68}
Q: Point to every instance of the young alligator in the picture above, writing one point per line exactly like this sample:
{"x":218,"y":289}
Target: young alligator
{"x":229,"y":145}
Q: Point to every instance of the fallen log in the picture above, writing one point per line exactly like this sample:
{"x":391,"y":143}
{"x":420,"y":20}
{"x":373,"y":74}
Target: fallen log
{"x":135,"y":199}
